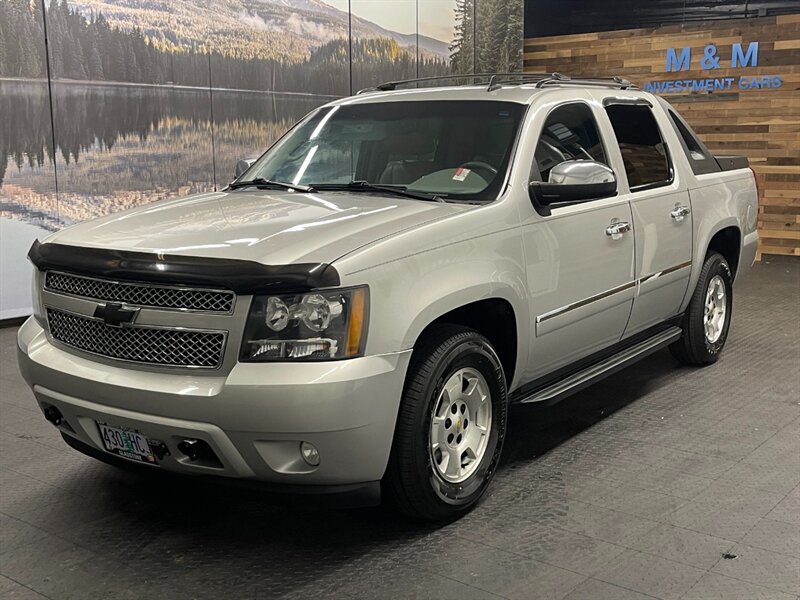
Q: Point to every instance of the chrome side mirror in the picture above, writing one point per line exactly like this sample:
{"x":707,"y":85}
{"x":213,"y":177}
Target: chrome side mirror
{"x":242,"y":166}
{"x":573,"y":181}
{"x":579,"y":172}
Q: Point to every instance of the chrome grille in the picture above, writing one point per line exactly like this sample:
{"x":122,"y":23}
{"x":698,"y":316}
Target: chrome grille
{"x":148,"y":345}
{"x":139,"y":294}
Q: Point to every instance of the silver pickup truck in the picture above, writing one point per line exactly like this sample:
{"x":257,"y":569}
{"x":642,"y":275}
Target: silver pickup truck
{"x":353,"y":315}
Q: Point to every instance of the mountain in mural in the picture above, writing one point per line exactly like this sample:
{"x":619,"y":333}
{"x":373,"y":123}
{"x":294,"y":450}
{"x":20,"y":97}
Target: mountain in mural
{"x":286,"y":29}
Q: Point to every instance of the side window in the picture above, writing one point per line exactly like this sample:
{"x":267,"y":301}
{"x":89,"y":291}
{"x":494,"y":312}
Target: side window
{"x":644,"y":153}
{"x":695,"y":151}
{"x":700,"y":159}
{"x":570,"y":133}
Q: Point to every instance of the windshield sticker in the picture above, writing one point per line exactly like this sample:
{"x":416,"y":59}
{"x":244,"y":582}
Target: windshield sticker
{"x":461,"y":174}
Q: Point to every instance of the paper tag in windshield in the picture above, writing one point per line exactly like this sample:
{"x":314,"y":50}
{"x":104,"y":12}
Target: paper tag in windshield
{"x":461,"y":174}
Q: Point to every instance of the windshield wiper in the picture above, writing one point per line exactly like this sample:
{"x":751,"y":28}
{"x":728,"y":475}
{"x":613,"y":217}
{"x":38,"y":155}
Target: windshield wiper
{"x":365,"y":186}
{"x":260,"y":182}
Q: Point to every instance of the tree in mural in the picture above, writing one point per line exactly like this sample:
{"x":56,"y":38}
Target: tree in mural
{"x":89,"y":48}
{"x":21,"y":35}
{"x":3,"y":56}
{"x":462,"y":57}
{"x":488,"y":36}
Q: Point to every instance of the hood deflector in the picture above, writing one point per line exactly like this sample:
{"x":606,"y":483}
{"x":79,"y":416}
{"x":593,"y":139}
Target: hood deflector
{"x":240,"y":276}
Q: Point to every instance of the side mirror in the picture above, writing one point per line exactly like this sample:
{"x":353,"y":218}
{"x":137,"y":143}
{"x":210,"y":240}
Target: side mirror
{"x":242,"y":166}
{"x":573,"y":181}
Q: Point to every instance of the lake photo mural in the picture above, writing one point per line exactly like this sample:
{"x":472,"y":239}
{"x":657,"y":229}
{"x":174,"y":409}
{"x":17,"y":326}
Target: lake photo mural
{"x":136,"y":101}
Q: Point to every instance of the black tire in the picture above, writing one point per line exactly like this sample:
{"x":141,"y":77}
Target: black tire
{"x":694,"y":348}
{"x":412,"y":484}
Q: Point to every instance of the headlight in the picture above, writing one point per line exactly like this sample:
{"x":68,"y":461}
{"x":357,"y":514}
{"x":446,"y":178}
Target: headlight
{"x":320,"y":325}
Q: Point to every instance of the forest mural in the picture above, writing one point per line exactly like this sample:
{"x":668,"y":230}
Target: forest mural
{"x":134,"y":101}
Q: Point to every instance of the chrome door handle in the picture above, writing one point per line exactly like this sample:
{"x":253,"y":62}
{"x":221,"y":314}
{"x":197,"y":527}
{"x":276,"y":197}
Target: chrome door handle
{"x":617,"y":228}
{"x":679,"y":212}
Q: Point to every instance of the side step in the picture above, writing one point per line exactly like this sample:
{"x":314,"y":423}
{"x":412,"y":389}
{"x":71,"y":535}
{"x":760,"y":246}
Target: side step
{"x":599,"y":370}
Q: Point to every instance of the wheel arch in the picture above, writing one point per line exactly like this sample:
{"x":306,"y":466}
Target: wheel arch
{"x":728,"y":242}
{"x":495,"y":319}
{"x":724,"y":237}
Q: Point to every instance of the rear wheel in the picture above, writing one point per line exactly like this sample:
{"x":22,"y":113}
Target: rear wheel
{"x":450,"y":427}
{"x":708,"y":317}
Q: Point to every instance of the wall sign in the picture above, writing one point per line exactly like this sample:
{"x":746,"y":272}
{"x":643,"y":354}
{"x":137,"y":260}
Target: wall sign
{"x":739,"y":57}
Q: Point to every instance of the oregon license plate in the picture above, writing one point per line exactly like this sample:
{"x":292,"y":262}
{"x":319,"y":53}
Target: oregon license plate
{"x":126,"y":443}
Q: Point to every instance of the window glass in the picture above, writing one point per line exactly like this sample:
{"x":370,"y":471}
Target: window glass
{"x":692,"y":144}
{"x":458,"y":150}
{"x":701,"y":160}
{"x":644,"y":153}
{"x":570,"y":133}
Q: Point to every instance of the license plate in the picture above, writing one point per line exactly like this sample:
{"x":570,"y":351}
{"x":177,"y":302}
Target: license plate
{"x":126,"y":443}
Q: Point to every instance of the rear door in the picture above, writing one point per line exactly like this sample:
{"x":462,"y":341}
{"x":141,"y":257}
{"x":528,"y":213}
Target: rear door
{"x":579,"y":276}
{"x":640,"y":147}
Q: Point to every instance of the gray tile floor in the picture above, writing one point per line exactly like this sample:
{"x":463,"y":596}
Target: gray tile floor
{"x":635,"y":488}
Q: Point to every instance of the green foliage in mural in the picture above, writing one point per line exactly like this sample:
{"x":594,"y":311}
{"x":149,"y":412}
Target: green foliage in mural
{"x":488,"y":36}
{"x":462,"y":57}
{"x":21,"y":39}
{"x":91,"y":49}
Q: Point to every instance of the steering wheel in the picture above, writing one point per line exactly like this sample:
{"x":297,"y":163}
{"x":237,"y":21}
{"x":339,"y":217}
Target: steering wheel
{"x":481,"y":168}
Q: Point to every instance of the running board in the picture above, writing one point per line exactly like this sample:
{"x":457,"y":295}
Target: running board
{"x":599,"y":370}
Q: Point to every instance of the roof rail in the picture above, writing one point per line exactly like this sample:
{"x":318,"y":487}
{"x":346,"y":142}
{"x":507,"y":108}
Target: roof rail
{"x":497,"y":79}
{"x":392,"y":85}
{"x":559,"y":79}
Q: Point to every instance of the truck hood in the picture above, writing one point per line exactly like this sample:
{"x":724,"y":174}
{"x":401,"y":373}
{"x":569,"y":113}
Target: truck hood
{"x":275,"y":228}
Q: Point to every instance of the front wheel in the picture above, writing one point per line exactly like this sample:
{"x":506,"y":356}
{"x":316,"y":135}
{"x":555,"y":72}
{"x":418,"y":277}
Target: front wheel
{"x":708,"y":317}
{"x":450,"y":427}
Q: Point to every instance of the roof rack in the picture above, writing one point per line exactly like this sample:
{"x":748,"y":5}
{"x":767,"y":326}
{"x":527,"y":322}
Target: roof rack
{"x":496,"y":80}
{"x":392,"y":85}
{"x":614,"y":82}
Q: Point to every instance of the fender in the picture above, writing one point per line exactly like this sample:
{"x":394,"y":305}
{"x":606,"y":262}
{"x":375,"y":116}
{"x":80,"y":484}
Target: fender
{"x":463,"y":297}
{"x":410,"y":293}
{"x":703,"y":235}
{"x":477,"y":290}
{"x":720,"y":201}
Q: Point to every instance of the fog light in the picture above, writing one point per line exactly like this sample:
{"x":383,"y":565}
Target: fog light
{"x":310,"y":453}
{"x":52,"y":414}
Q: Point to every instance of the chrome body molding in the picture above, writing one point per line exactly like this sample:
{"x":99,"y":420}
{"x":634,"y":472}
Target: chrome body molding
{"x":586,"y":301}
{"x":654,"y":276}
{"x":626,"y":286}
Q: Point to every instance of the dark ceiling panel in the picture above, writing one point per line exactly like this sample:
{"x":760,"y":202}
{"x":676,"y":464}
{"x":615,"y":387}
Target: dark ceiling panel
{"x":545,"y":17}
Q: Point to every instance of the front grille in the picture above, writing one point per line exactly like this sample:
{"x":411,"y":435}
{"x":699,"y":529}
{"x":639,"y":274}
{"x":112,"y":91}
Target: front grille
{"x":139,"y":294}
{"x":148,"y":345}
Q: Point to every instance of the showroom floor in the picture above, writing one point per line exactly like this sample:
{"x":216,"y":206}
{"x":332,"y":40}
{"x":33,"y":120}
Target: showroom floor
{"x":662,"y":482}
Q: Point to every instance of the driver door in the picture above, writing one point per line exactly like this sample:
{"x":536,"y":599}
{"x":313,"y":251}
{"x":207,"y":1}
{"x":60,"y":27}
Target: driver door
{"x":580,"y":257}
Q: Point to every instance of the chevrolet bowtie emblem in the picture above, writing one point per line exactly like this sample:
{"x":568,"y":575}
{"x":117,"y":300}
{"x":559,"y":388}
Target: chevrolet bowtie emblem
{"x":115,"y":314}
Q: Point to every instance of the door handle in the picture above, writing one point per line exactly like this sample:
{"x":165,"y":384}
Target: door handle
{"x":617,"y":228}
{"x":679,"y":212}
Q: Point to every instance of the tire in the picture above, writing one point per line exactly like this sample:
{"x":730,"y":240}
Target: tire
{"x":421,"y":479}
{"x":699,"y":346}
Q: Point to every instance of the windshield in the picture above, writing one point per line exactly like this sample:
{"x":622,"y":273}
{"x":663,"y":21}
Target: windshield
{"x":455,"y":150}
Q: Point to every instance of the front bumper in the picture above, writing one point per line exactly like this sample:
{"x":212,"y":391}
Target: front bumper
{"x":254,"y":418}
